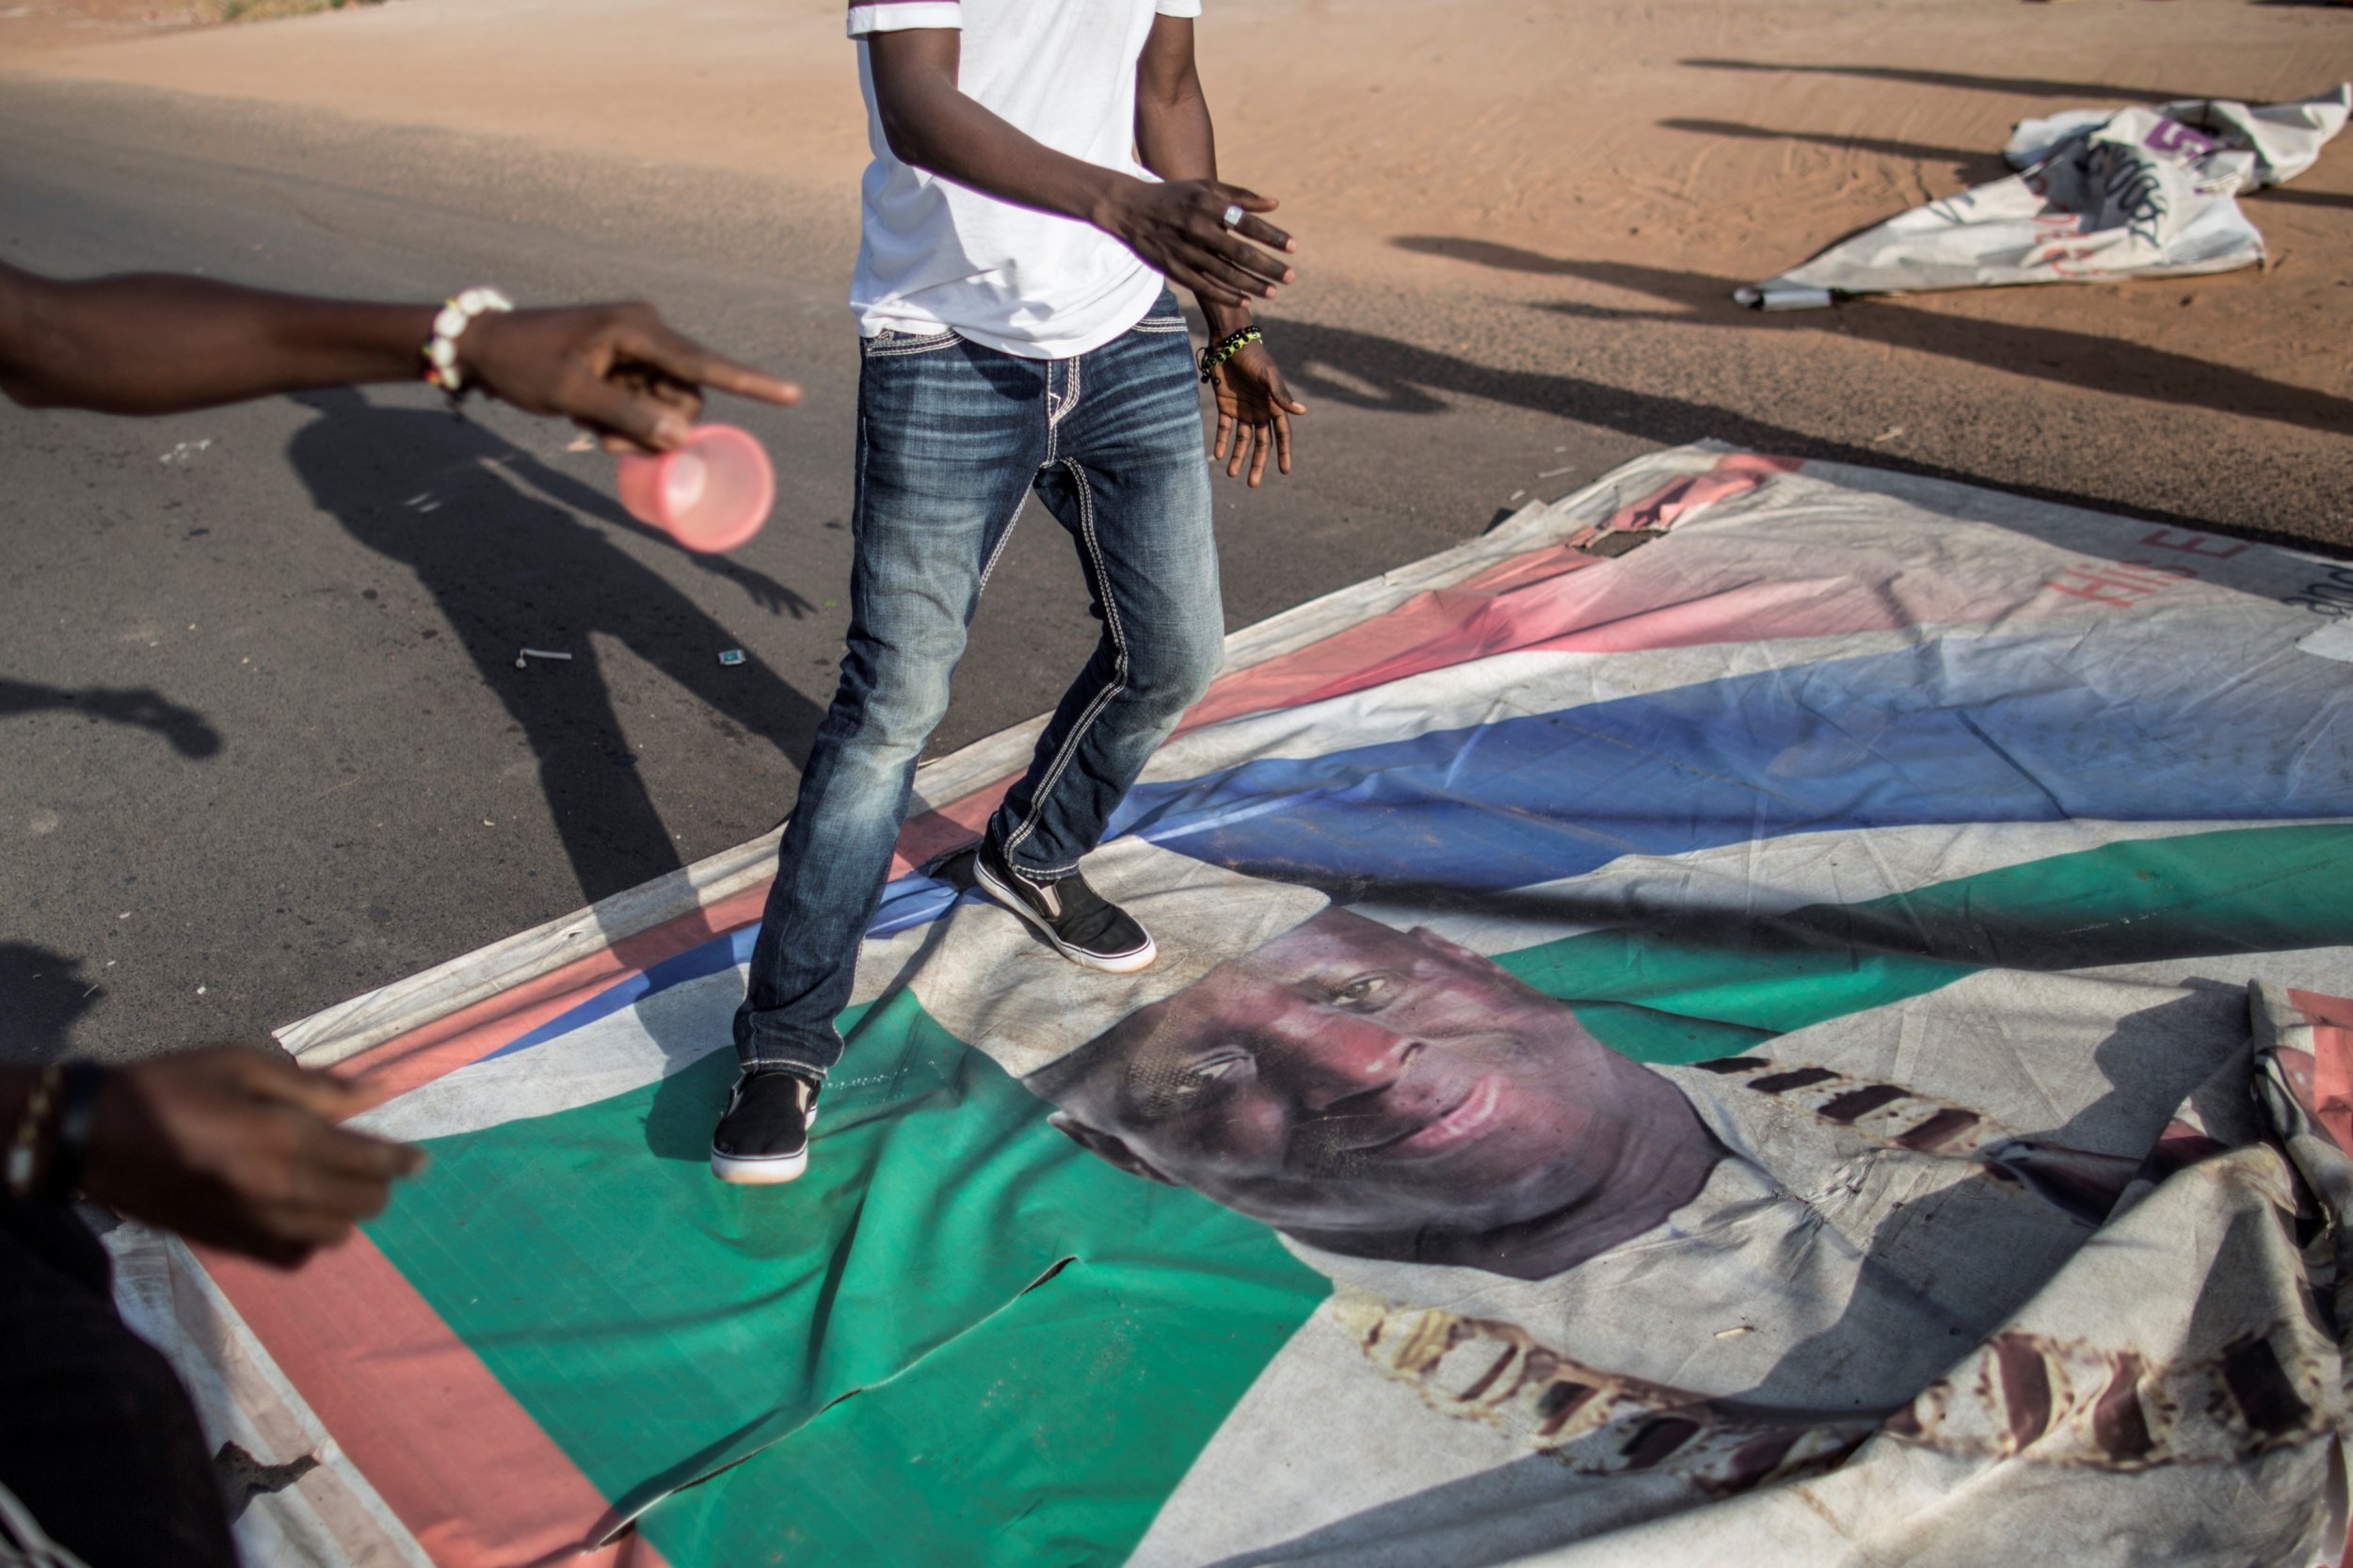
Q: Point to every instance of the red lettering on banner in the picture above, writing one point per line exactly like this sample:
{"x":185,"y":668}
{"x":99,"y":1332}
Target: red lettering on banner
{"x":2115,"y":583}
{"x":2195,"y":544}
{"x":2104,"y":590}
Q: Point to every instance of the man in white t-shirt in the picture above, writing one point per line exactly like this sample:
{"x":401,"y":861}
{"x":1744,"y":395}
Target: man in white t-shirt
{"x":1043,"y":169}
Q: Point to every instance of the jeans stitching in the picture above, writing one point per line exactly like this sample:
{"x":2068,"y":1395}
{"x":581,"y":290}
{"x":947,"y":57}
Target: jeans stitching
{"x":815,"y":1074}
{"x":1112,"y":688}
{"x":1046,"y":405}
{"x":994,"y":555}
{"x":875,"y":347}
{"x":1054,"y":413}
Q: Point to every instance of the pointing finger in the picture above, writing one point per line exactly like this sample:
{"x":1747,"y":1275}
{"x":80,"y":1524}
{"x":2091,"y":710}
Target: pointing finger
{"x":675,"y":354}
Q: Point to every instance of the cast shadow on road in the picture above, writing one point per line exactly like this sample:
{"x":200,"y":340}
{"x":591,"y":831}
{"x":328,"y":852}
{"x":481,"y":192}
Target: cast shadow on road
{"x":42,"y":994}
{"x":1974,"y":168}
{"x":2036,"y":86}
{"x":2084,"y":359}
{"x":141,"y":708}
{"x":491,"y":534}
{"x":1981,"y":167}
{"x":2296,"y":195}
{"x":1382,"y":375}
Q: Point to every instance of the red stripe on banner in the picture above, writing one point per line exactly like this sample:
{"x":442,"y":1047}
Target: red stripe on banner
{"x":379,"y":1366}
{"x":1537,"y":601}
{"x":472,"y":1032}
{"x":1473,"y":619}
{"x":2331,"y":1018}
{"x":1540,"y":601}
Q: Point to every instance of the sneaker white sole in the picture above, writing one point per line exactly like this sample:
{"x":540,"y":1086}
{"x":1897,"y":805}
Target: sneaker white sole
{"x":1122,"y":963}
{"x":763,"y":1170}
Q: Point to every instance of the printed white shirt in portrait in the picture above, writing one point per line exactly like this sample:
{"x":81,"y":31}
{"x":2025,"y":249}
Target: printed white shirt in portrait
{"x":1816,"y":1283}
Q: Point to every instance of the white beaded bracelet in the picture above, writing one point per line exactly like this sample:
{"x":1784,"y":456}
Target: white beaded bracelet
{"x":441,"y":350}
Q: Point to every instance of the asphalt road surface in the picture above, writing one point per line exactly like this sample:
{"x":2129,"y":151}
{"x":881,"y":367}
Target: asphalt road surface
{"x":263,"y":745}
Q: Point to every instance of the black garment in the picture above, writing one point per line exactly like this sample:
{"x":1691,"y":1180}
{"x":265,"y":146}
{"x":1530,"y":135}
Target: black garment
{"x":97,"y":1438}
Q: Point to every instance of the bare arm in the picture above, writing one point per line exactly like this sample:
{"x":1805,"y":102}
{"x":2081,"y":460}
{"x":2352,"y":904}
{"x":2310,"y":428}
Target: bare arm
{"x":157,"y":343}
{"x":1177,"y":142}
{"x":1173,"y":134}
{"x":1173,"y":225}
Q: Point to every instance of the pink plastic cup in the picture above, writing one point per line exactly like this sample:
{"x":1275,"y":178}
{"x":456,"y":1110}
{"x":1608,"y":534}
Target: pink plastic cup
{"x":712,"y":495}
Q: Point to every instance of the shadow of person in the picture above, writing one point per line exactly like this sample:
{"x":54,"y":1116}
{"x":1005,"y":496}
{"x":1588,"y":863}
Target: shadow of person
{"x":2033,"y":87}
{"x":141,"y":708}
{"x":2298,"y":196}
{"x":499,"y":540}
{"x":41,"y":995}
{"x":2089,"y":361}
{"x":685,"y":1106}
{"x":1973,"y":166}
{"x":1388,"y":375}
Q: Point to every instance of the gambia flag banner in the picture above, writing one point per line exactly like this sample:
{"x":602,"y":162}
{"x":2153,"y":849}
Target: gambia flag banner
{"x":1764,"y":1012}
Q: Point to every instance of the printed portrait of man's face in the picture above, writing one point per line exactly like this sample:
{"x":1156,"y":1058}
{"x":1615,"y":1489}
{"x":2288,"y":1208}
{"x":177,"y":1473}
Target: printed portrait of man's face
{"x":1352,"y":1080}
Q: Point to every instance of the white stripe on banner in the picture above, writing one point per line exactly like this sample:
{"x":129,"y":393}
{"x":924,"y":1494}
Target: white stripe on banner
{"x":671,"y":1030}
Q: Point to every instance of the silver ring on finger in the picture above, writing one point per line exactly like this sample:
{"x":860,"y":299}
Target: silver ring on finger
{"x":1231,"y":217}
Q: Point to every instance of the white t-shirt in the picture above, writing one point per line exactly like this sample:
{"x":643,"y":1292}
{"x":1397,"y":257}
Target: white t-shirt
{"x":939,"y":255}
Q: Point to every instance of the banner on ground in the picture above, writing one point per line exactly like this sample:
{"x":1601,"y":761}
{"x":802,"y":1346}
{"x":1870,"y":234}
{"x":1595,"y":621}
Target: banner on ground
{"x":1763,"y":1012}
{"x":2100,"y":194}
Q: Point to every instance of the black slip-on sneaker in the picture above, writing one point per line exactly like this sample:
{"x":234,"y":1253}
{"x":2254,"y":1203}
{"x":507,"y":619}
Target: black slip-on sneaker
{"x":762,"y":1136}
{"x":955,"y":868}
{"x":1084,"y":926}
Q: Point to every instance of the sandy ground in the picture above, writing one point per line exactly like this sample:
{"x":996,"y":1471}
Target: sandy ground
{"x":1545,"y":205}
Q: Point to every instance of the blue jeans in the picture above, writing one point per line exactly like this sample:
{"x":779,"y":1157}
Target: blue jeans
{"x":951,"y":438}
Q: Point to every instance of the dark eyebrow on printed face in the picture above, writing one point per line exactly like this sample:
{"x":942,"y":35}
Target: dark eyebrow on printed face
{"x":1161,"y":1083}
{"x":1158,"y":1078}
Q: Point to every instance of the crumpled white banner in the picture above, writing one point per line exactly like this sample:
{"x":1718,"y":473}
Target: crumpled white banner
{"x":2140,"y":192}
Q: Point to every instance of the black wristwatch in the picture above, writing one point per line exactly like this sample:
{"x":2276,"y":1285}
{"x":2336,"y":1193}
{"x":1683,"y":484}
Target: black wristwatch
{"x":77,"y":1118}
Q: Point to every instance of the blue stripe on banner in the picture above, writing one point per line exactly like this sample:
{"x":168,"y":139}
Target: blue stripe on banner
{"x":2039,"y":729}
{"x":910,"y":901}
{"x":2007,"y":730}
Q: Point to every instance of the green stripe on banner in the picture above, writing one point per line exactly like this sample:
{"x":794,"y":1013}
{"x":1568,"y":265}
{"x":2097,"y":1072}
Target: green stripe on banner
{"x":865,"y":1348}
{"x":1688,"y":997}
{"x":858,"y":1325}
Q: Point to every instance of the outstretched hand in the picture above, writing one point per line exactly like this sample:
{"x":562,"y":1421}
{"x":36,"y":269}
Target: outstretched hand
{"x":615,"y":369}
{"x":1179,"y":227}
{"x":240,"y":1150}
{"x":1255,"y":410}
